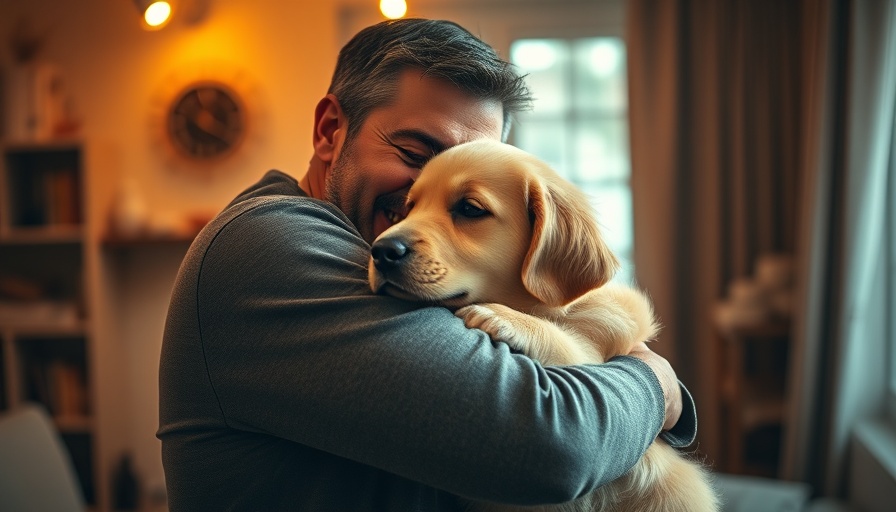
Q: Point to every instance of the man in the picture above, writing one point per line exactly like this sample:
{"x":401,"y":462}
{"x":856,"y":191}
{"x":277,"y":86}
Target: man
{"x":286,"y":385}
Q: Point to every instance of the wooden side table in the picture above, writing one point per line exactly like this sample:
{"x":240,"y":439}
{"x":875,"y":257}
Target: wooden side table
{"x":752,"y":383}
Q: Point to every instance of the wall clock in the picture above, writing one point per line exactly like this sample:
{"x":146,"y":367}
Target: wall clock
{"x":207,"y":120}
{"x":204,"y":116}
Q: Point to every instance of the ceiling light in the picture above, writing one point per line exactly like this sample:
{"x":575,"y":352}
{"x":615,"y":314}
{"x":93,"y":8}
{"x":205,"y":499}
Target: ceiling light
{"x":393,"y":9}
{"x":156,"y":13}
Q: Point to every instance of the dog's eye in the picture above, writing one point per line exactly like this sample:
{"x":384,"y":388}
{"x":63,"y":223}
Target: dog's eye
{"x":469,"y":208}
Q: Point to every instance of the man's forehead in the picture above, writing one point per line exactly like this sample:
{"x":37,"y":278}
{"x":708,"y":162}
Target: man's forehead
{"x":434,"y":110}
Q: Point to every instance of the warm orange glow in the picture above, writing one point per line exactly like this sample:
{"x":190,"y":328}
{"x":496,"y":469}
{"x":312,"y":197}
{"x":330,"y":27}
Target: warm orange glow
{"x":393,"y":9}
{"x":157,"y":14}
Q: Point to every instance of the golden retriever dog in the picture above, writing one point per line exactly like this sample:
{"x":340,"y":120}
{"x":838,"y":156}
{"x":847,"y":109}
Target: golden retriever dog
{"x":495,"y":234}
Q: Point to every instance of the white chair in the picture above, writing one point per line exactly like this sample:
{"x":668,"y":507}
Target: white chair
{"x":36,"y":472}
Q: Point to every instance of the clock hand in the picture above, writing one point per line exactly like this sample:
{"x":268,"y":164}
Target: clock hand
{"x":207,"y":122}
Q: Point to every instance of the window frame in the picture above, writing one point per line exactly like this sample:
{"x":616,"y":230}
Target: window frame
{"x":890,"y":296}
{"x":572,"y":117}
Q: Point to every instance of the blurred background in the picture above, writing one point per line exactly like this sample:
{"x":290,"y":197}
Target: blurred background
{"x":739,"y":154}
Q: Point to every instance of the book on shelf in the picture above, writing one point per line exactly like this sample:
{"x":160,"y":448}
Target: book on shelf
{"x":48,"y":197}
{"x":62,"y":387}
{"x":62,"y":198}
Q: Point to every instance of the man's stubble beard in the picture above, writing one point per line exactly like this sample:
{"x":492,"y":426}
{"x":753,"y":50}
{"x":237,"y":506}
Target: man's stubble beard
{"x":346,"y":194}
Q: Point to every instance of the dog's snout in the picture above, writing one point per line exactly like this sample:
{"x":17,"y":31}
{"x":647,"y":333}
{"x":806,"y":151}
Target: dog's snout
{"x":388,"y":252}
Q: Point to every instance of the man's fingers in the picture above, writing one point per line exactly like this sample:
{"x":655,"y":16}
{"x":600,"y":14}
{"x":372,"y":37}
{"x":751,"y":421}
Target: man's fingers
{"x":668,"y":381}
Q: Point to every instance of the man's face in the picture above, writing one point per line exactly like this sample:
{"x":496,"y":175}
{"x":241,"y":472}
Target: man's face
{"x":371,"y":176}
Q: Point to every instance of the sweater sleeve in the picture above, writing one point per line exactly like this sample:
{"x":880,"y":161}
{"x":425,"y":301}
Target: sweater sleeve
{"x":296,"y":346}
{"x":684,"y":432}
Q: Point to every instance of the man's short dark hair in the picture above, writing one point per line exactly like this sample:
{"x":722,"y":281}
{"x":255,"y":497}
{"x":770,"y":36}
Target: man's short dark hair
{"x":368,"y":66}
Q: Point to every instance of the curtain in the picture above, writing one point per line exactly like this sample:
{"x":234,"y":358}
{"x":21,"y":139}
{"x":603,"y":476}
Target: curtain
{"x":767,"y":126}
{"x":717,"y":101}
{"x":840,"y":369}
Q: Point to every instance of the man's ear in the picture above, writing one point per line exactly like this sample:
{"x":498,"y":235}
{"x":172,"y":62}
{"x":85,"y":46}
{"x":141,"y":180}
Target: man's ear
{"x":330,"y":127}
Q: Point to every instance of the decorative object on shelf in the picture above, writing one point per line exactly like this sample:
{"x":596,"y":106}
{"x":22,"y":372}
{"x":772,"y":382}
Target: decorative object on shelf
{"x":26,"y":43}
{"x":132,"y":222}
{"x":125,"y":485}
{"x":129,"y":215}
{"x":766,"y":297}
{"x":205,"y":115}
{"x":38,"y":106}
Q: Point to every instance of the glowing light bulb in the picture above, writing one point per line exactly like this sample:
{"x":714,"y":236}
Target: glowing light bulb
{"x":157,"y":14}
{"x":393,"y":9}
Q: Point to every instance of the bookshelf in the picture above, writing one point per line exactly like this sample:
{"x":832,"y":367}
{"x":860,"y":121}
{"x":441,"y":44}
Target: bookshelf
{"x":45,"y":323}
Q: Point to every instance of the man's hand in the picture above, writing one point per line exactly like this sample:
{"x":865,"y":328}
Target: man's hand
{"x":669,"y":382}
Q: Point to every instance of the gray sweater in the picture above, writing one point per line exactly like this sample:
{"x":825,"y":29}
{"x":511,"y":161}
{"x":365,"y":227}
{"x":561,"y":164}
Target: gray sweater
{"x":285,"y":384}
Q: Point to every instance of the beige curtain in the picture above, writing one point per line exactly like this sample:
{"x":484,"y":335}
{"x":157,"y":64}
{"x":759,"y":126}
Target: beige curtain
{"x":720,"y":92}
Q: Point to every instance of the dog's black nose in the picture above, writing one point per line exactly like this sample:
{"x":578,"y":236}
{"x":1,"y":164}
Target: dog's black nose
{"x":388,"y":252}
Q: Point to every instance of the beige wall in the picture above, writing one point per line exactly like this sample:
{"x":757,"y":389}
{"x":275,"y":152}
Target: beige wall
{"x":280,"y":52}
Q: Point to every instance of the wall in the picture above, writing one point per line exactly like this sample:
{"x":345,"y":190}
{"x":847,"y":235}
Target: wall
{"x":281,"y":53}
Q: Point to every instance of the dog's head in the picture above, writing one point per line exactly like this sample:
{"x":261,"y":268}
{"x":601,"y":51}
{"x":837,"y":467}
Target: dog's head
{"x":491,"y":223}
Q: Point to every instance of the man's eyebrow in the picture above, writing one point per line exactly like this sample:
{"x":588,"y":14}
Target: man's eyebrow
{"x":434,"y":145}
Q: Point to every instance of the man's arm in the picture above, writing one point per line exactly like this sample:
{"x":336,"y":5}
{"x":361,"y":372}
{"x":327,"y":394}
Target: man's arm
{"x":297,"y":347}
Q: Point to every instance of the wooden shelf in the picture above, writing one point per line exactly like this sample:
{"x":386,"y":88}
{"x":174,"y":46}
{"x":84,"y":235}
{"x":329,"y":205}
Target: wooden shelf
{"x":762,"y":407}
{"x":767,"y":331}
{"x":65,"y":330}
{"x":30,"y":146}
{"x":43,"y":235}
{"x":119,"y":242}
{"x":45,"y":334}
{"x":73,"y":424}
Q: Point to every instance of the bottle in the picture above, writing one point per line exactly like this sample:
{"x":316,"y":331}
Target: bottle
{"x":125,"y":486}
{"x":129,"y":213}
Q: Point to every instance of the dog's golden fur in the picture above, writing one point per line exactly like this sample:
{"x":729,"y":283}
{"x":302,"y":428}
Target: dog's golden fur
{"x":496,"y":234}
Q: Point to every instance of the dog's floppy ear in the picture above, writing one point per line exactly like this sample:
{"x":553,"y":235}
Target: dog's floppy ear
{"x":567,"y":256}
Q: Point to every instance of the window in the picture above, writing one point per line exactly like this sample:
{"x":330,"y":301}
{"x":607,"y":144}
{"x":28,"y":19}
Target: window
{"x":890,"y":272}
{"x":579,"y":125}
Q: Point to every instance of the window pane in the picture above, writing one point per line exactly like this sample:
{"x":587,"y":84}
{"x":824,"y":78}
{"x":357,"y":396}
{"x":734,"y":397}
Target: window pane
{"x":890,"y":295}
{"x":600,"y":74}
{"x":547,"y":140}
{"x":579,"y":125}
{"x":601,"y":150}
{"x":546,"y":61}
{"x":613,"y":205}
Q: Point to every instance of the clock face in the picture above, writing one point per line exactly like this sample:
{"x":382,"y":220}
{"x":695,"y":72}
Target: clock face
{"x":206,"y":121}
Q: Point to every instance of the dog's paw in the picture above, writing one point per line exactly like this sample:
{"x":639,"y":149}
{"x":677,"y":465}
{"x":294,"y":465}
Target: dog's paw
{"x":498,"y":321}
{"x":535,"y":337}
